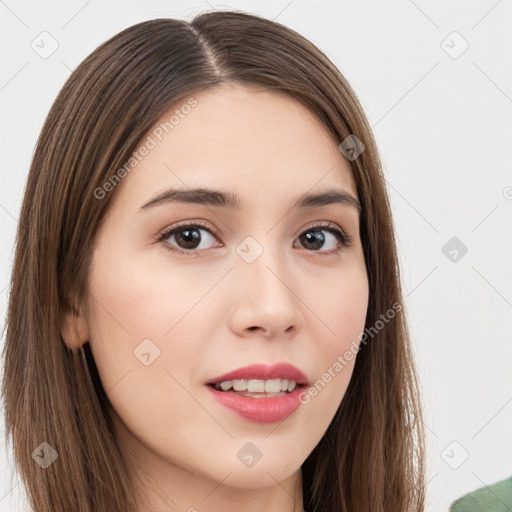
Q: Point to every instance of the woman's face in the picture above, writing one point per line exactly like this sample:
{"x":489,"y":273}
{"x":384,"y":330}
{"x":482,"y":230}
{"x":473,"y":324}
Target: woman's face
{"x":268,"y":282}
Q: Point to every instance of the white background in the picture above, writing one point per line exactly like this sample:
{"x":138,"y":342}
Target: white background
{"x":443,"y":126}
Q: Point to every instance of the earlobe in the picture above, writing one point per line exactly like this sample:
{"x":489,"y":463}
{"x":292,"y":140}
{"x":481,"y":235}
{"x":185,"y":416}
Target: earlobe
{"x":74,"y":330}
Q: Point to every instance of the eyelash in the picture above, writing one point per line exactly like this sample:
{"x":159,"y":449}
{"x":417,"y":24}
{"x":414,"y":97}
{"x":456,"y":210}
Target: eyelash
{"x":343,"y":238}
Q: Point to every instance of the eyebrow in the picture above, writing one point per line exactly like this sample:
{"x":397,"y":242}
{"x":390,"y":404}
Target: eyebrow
{"x":230,"y":200}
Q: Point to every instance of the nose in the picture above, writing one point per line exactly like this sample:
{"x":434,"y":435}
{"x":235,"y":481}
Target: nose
{"x":264,"y":299}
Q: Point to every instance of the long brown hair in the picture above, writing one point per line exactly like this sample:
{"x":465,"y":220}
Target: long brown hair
{"x":371,"y":457}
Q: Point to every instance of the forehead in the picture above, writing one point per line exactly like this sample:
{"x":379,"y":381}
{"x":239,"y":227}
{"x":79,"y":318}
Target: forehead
{"x":242,"y":138}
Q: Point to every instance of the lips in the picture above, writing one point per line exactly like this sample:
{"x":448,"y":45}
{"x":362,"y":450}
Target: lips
{"x":258,"y":410}
{"x":263,"y":372}
{"x":260,"y":407}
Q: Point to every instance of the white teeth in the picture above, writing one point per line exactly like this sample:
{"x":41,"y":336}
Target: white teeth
{"x":240,"y":385}
{"x":226,"y":385}
{"x":273,"y":386}
{"x":258,"y":386}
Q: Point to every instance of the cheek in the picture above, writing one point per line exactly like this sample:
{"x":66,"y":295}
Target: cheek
{"x":146,"y":337}
{"x":341,"y":305}
{"x":147,"y":311}
{"x":142,"y":294}
{"x":341,"y":308}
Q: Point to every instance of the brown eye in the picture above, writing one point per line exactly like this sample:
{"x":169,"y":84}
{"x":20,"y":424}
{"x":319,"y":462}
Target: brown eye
{"x":188,"y":238}
{"x":329,"y":238}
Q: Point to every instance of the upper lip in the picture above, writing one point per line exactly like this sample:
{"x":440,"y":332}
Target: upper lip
{"x":263,"y":372}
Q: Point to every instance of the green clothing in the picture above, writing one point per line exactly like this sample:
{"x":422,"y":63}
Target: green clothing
{"x":492,"y":498}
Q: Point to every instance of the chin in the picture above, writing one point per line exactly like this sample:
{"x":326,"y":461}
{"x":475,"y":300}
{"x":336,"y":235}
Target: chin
{"x":257,"y":477}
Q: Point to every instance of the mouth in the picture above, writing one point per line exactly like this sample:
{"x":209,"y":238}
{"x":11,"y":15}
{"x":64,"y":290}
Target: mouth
{"x":261,"y":380}
{"x":260,"y":398}
{"x":258,"y":388}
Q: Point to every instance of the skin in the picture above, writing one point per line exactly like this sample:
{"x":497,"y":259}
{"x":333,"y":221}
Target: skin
{"x":214,"y":312}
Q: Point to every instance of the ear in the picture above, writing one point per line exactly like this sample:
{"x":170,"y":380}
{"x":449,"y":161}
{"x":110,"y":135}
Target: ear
{"x":74,"y":329}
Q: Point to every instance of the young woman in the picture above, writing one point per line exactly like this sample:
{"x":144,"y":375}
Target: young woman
{"x":206,"y":310}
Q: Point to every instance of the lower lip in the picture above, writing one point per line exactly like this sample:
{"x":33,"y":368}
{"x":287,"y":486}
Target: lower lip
{"x":261,"y":410}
